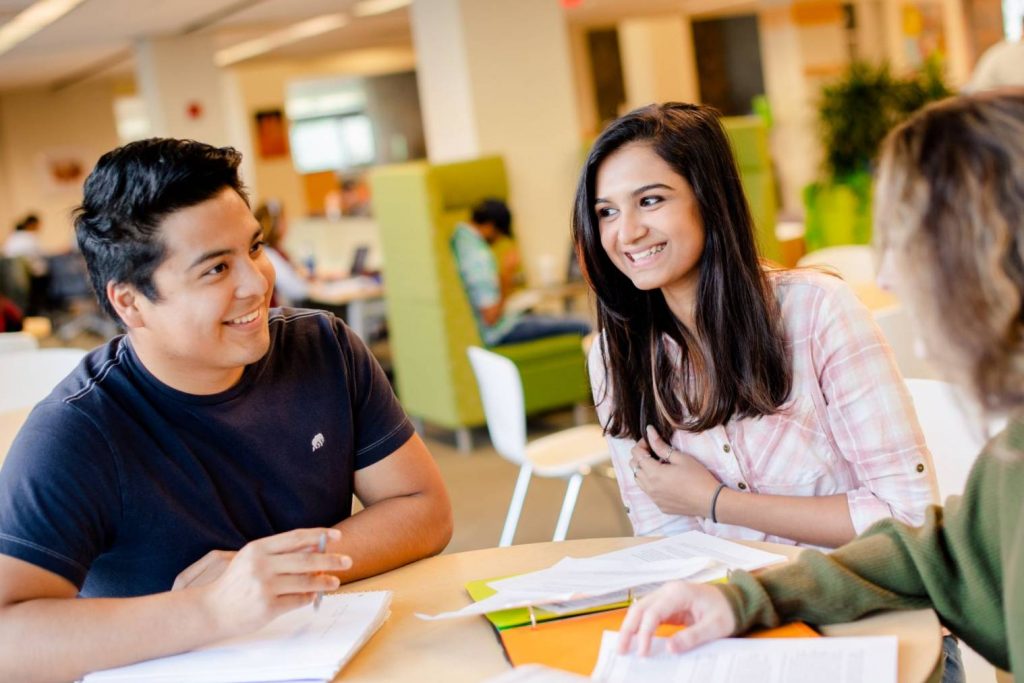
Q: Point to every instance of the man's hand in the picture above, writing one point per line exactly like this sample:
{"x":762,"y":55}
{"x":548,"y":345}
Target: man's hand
{"x":268,"y":577}
{"x":679,"y":484}
{"x":204,"y":570}
{"x":702,"y":608}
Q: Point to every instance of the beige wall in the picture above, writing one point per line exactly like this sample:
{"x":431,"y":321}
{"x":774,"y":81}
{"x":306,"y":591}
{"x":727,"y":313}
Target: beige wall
{"x":658,"y":62}
{"x":586,"y":98}
{"x":262,"y":85}
{"x":538,"y":135}
{"x":78,"y":121}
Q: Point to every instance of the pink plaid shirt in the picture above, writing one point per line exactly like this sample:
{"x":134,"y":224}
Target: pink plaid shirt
{"x":848,"y":427}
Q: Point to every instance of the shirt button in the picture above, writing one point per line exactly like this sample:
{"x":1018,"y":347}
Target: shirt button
{"x":726,"y":448}
{"x":742,"y":486}
{"x":920,"y":467}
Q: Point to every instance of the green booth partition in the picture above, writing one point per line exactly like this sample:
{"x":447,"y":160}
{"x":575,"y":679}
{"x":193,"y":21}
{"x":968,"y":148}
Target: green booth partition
{"x":417,"y":206}
{"x":749,"y":138}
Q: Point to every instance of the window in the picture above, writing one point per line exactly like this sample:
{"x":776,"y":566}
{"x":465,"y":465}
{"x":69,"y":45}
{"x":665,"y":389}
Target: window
{"x":332,"y":143}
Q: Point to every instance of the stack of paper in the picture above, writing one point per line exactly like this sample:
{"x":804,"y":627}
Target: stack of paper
{"x":722,"y":556}
{"x":741,"y":660}
{"x":572,"y":579}
{"x":301,"y":645}
{"x":574,"y":585}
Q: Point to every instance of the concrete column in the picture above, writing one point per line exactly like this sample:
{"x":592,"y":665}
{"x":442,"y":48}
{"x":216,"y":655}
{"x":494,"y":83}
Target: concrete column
{"x":188,"y":96}
{"x":495,"y":77}
{"x":182,"y":87}
{"x":798,"y":53}
{"x":658,"y":63}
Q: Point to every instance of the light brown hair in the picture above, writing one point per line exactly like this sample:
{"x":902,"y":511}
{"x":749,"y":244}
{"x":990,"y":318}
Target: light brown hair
{"x":950,"y":208}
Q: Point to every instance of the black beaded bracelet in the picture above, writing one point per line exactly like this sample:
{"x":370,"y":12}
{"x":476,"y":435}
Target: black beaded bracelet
{"x":714,"y":501}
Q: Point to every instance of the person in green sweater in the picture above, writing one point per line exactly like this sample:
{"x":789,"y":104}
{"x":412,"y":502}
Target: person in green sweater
{"x":950,"y":226}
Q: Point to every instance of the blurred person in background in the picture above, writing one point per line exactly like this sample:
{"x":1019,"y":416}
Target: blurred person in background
{"x":24,"y":244}
{"x":482,"y":279}
{"x":1000,"y":65}
{"x":291,"y":288}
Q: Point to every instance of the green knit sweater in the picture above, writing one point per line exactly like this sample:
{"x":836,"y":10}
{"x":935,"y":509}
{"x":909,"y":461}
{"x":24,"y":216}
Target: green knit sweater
{"x":966,"y":562}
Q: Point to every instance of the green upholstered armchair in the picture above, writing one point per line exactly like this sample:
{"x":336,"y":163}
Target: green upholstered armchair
{"x":417,"y":206}
{"x":749,"y":138}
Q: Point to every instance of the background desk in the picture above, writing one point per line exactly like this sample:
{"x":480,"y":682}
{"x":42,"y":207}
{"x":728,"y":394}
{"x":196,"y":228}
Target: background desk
{"x":362,"y":297}
{"x":407,"y":649}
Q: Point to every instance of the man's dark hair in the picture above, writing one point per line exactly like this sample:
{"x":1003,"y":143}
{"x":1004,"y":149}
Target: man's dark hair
{"x":494,"y":212}
{"x":130,"y":192}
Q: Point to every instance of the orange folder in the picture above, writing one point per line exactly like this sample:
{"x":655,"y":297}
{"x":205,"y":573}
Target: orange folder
{"x":573,"y":644}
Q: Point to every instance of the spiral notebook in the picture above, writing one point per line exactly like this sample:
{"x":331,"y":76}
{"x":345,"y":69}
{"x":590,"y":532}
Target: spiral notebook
{"x":301,"y":645}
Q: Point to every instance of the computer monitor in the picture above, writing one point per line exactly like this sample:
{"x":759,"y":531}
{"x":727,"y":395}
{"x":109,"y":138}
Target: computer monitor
{"x":359,"y":260}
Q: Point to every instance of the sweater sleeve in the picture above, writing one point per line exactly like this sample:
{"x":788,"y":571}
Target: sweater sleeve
{"x":951,"y":564}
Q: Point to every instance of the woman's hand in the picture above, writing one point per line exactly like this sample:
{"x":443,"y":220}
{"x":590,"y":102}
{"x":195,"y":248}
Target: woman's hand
{"x":679,"y":484}
{"x":702,"y":608}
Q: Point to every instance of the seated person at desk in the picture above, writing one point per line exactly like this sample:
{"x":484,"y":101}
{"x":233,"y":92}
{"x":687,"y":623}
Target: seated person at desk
{"x":950,"y":197}
{"x":172,"y":490}
{"x":482,"y":279}
{"x":291,"y":285}
{"x":24,"y":244}
{"x":503,"y":246}
{"x":739,"y":401}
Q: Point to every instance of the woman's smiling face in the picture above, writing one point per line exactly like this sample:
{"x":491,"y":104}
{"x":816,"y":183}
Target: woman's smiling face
{"x":650,"y":222}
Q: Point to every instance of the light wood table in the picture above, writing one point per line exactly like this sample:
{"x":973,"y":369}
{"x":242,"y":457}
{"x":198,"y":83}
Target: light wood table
{"x":409,"y":649}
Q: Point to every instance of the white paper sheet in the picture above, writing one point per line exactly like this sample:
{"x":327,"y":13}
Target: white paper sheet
{"x":599,"y":576}
{"x":301,"y":645}
{"x":762,"y":660}
{"x":573,"y":578}
{"x":725,"y":555}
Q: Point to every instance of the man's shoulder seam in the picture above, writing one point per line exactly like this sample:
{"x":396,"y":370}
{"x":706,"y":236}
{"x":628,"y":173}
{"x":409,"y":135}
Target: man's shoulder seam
{"x":95,"y":380}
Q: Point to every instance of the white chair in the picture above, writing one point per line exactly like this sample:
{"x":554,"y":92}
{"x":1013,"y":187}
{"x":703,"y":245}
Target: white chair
{"x":954,"y":430}
{"x":898,"y":329}
{"x":569,"y":454}
{"x":27,"y":377}
{"x":854,"y":262}
{"x":17,"y":341}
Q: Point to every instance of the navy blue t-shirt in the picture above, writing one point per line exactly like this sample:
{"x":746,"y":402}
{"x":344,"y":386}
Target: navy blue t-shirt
{"x":118,"y":482}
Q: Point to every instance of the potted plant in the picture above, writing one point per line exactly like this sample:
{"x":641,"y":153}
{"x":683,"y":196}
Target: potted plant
{"x":854,"y":114}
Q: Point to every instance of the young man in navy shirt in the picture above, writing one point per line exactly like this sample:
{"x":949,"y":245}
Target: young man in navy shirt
{"x":172,"y":490}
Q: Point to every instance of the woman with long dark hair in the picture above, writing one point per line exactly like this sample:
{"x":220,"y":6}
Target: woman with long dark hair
{"x":739,"y":400}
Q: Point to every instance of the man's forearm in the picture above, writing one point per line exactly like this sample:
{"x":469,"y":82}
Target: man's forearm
{"x":94,"y":634}
{"x":394,"y":532}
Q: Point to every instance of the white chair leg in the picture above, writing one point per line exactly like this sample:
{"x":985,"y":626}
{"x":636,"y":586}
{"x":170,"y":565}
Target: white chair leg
{"x":463,"y":440}
{"x":516,"y":506}
{"x":572,"y":491}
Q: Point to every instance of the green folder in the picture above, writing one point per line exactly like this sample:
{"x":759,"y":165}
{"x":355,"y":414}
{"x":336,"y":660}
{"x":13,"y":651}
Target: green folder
{"x":519,"y":616}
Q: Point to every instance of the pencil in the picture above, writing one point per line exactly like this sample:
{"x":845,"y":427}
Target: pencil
{"x":320,"y":548}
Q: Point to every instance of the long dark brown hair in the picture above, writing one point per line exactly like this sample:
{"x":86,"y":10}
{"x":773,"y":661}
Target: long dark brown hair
{"x":735,"y":363}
